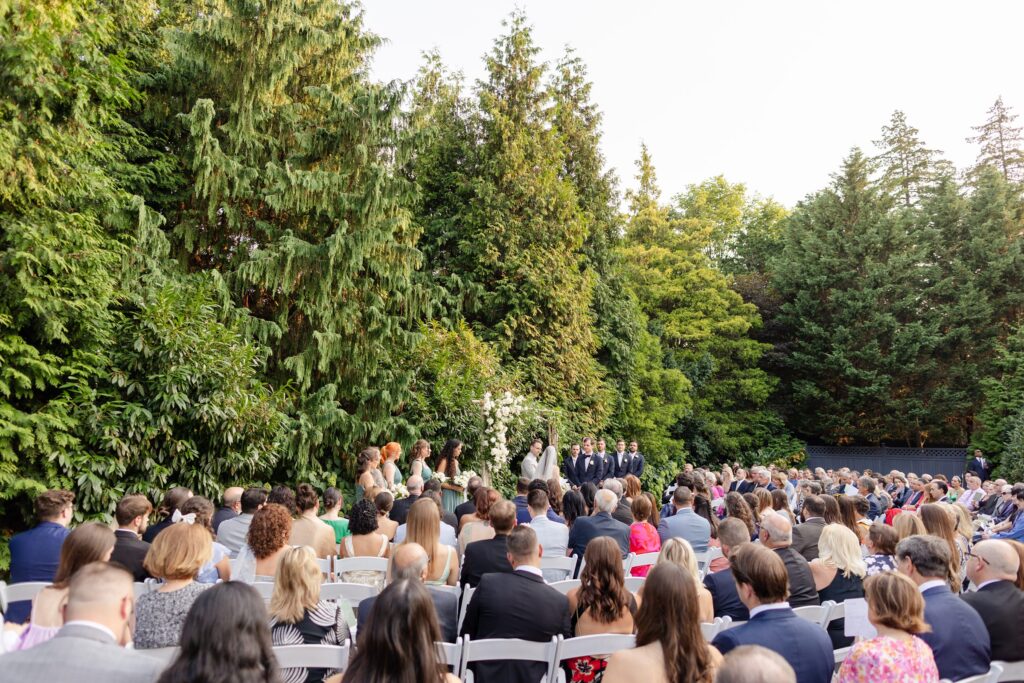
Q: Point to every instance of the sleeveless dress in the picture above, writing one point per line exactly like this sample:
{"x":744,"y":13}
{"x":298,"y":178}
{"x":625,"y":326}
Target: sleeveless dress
{"x":378,"y":482}
{"x":426,"y":472}
{"x":340,"y":527}
{"x":888,"y":660}
{"x":452,"y":499}
{"x":443,"y":579}
{"x":587,"y":668}
{"x":643,"y":538}
{"x":840,"y":590}
{"x":365,"y":577}
{"x":34,"y":634}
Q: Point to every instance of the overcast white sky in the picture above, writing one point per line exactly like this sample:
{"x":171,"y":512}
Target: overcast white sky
{"x":771,"y":94}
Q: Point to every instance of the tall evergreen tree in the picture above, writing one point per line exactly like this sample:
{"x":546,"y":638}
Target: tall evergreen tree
{"x":907,"y":167}
{"x":1001,"y":143}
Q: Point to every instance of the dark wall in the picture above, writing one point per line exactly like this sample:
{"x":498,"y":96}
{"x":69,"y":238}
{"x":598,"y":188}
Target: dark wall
{"x":882,"y":459}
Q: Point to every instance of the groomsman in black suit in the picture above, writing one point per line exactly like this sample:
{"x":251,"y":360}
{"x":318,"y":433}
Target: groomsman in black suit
{"x":571,"y":466}
{"x":607,"y":467}
{"x":636,"y":460}
{"x":620,"y":461}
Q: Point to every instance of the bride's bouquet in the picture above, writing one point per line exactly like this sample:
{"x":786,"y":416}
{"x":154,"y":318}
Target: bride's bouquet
{"x":401,"y":491}
{"x":462,"y":478}
{"x":440,"y":477}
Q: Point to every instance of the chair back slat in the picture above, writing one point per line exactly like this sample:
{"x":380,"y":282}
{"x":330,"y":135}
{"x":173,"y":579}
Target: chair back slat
{"x":508,"y":648}
{"x":467,"y":593}
{"x":26,"y":590}
{"x":360,"y":564}
{"x":313,"y":656}
{"x":710,"y":630}
{"x":634,"y":583}
{"x":264,"y":588}
{"x":603,"y":644}
{"x":451,"y":654}
{"x":564,"y":587}
{"x":1011,"y":671}
{"x":354,"y":593}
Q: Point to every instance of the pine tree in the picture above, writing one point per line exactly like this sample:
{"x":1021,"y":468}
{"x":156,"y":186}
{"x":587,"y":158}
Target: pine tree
{"x":907,"y":167}
{"x":1001,"y":143}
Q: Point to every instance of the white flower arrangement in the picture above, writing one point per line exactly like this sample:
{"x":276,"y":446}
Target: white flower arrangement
{"x":440,"y":477}
{"x":401,"y":491}
{"x":462,"y":478}
{"x":498,"y":413}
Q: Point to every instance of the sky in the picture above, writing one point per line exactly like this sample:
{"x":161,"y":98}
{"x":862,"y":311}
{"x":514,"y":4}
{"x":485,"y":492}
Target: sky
{"x":772,"y":94}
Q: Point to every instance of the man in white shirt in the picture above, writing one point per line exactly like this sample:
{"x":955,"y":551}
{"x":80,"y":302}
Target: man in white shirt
{"x":529,"y":466}
{"x":233,"y":532}
{"x":552,"y":536}
{"x":973,"y":495}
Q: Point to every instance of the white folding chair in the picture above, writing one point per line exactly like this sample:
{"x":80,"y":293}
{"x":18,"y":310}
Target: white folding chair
{"x":164,"y":654}
{"x":593,"y":646}
{"x":993,"y":675}
{"x":265,"y":589}
{"x":313,"y":656}
{"x":837,"y":610}
{"x":564,"y":587}
{"x":634,"y":583}
{"x":508,"y":649}
{"x":16,"y":592}
{"x":627,"y":563}
{"x":710,"y":630}
{"x":325,"y":565}
{"x":1012,"y":671}
{"x":467,"y":593}
{"x":451,"y":655}
{"x":732,"y":624}
{"x":141,"y":588}
{"x":562,"y":564}
{"x":818,"y":614}
{"x":352,"y":592}
{"x":839,"y":655}
{"x":359,"y":564}
{"x":644,"y":559}
{"x":454,"y":590}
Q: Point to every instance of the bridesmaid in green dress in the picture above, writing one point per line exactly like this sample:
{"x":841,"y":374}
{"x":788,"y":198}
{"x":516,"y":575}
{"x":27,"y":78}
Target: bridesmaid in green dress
{"x":448,"y":465}
{"x":418,"y":460}
{"x":390,"y":454}
{"x":368,"y":471}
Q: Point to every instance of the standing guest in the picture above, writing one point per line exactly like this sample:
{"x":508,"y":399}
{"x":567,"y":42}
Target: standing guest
{"x":283,"y":496}
{"x":390,"y":454}
{"x":839,"y":574}
{"x":91,"y":542}
{"x":299,"y":617}
{"x":173,"y":500}
{"x":897,"y":654}
{"x":979,"y":465}
{"x":368,"y":474}
{"x":132,"y":515}
{"x":268,"y":539}
{"x":384,"y":502}
{"x":678,"y":551}
{"x":806,"y":535}
{"x":939,"y":523}
{"x":231,"y":506}
{"x":398,"y":642}
{"x":958,"y":637}
{"x":620,"y":461}
{"x":490,"y":555}
{"x":725,"y":600}
{"x":636,"y":460}
{"x":685,"y":523}
{"x":469,"y":506}
{"x":35,"y":554}
{"x":643,"y":536}
{"x":591,"y":467}
{"x":573,"y":507}
{"x":777,"y":535}
{"x":622,"y":511}
{"x":232,"y":532}
{"x":669,"y":644}
{"x":908,"y":525}
{"x":762,"y":584}
{"x":333,"y":502}
{"x":516,"y":604}
{"x":199,"y":510}
{"x":402,"y":506}
{"x":97,"y":625}
{"x":552,"y":536}
{"x":993,"y":567}
{"x":754,"y":664}
{"x":418,"y":457}
{"x":364,"y":541}
{"x":175,"y":557}
{"x":737,"y":508}
{"x":477,"y":526}
{"x":226,"y":637}
{"x":528,"y":470}
{"x":601,"y":523}
{"x":448,"y":465}
{"x":881,"y":546}
{"x":310,"y":530}
{"x":424,"y":528}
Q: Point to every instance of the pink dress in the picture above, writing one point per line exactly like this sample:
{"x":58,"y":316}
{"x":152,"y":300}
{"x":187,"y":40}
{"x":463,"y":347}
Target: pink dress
{"x":888,"y":660}
{"x":643,"y":538}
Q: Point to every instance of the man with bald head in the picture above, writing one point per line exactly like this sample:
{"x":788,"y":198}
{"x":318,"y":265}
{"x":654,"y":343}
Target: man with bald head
{"x":90,"y":645}
{"x":410,"y":561}
{"x":400,"y":510}
{"x":992,"y":567}
{"x":231,"y":508}
{"x":777,"y":535}
{"x":754,"y":664}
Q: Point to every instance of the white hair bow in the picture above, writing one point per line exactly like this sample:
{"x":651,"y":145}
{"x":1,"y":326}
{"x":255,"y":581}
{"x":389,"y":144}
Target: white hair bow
{"x":190,"y":518}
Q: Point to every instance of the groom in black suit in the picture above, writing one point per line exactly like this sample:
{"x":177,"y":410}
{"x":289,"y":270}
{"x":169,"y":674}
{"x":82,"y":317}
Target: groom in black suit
{"x":589,"y":466}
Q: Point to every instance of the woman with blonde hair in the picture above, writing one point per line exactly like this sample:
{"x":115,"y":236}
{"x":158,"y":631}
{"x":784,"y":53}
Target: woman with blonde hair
{"x":938,"y":522}
{"x":389,"y":454}
{"x":679,"y":551}
{"x":297,"y":614}
{"x":908,"y":524}
{"x":897,"y":654}
{"x":423,"y":526}
{"x":764,"y":501}
{"x":839,"y":573}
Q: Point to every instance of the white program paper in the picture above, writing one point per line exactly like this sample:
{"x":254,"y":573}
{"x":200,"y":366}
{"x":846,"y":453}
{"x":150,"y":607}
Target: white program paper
{"x":857,"y":623}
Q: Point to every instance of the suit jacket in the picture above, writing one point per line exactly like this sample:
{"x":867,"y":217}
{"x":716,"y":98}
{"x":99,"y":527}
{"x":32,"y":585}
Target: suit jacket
{"x":636,"y":464}
{"x":446,"y":604}
{"x":586,"y":529}
{"x":35,"y":555}
{"x":484,"y":557}
{"x":623,"y":513}
{"x":984,"y":471}
{"x":959,"y":639}
{"x":400,"y":510}
{"x":154,"y":529}
{"x":913,"y":498}
{"x":523,"y":515}
{"x":805,"y":537}
{"x":80,"y":653}
{"x":1001,"y":607}
{"x":989,"y":504}
{"x":689,"y":525}
{"x":222,"y":515}
{"x":467,"y":508}
{"x":571,"y":470}
{"x":874,"y":507}
{"x":589,"y":471}
{"x":129,"y":552}
{"x":801,"y":582}
{"x":514,"y":605}
{"x":726,"y":600}
{"x":746,"y":486}
{"x":607,"y":466}
{"x":804,"y":645}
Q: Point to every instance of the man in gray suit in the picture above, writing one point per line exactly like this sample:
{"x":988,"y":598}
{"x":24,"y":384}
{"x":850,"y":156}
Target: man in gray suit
{"x":686,"y":523}
{"x":806,"y":535}
{"x":90,"y":645}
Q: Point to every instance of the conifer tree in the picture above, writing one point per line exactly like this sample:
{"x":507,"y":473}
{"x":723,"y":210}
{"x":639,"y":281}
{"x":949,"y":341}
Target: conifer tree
{"x":1001,"y":143}
{"x":907,"y":167}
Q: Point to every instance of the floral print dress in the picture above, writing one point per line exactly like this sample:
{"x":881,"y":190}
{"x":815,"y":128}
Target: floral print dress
{"x":888,"y":660}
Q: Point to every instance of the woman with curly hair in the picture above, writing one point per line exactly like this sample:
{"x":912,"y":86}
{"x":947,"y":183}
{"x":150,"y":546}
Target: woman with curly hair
{"x":736,"y":506}
{"x":268,"y":536}
{"x":601,"y":604}
{"x":365,"y":541}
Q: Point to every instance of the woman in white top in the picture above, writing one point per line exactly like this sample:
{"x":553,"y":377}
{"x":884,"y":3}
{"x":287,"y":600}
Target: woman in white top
{"x":365,"y":541}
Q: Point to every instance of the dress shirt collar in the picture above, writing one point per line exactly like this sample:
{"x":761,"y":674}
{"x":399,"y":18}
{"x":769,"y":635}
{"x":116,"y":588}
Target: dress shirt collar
{"x":81,"y":623}
{"x":542,"y":519}
{"x":811,"y":519}
{"x":988,"y":583}
{"x":934,"y":583}
{"x":530,"y":569}
{"x":765,"y":608}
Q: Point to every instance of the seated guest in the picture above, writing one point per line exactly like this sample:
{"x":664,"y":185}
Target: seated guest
{"x":226,"y":637}
{"x":308,"y":529}
{"x":199,"y":510}
{"x":172,"y":500}
{"x":553,"y":536}
{"x":762,"y":583}
{"x":522,"y":508}
{"x":132,"y":515}
{"x":402,"y":506}
{"x":908,"y":525}
{"x":333,"y":500}
{"x":678,"y":551}
{"x":468,"y":507}
{"x":490,"y":555}
{"x":939,"y":523}
{"x":477,"y":526}
{"x":516,"y":604}
{"x":669,"y":644}
{"x":896,"y":654}
{"x":573,"y":507}
{"x":297,"y":614}
{"x":622,"y":511}
{"x":397,"y":643}
{"x":643,"y":536}
{"x":35,"y":553}
{"x":993,"y":567}
{"x":958,"y":637}
{"x":424,"y":529}
{"x":685,"y":523}
{"x":175,"y":557}
{"x":364,"y":541}
{"x":232,"y":532}
{"x":88,"y":647}
{"x":601,"y":523}
{"x":410,"y":562}
{"x":88,"y":543}
{"x":1018,"y":548}
{"x":881,"y":546}
{"x":446,"y":532}
{"x":754,"y":664}
{"x":1016,"y":531}
{"x":432,"y":489}
{"x":283,"y":496}
{"x":385,"y":501}
{"x":733,"y":534}
{"x":738,"y":508}
{"x":268,"y":536}
{"x":839,"y":574}
{"x":777,"y":535}
{"x":231,"y":506}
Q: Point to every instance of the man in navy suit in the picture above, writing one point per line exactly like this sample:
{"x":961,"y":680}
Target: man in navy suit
{"x":959,"y":639}
{"x":763,"y":586}
{"x":589,"y":466}
{"x":570,"y":466}
{"x":636,"y":460}
{"x":601,"y":523}
{"x":992,"y":567}
{"x":732,"y":533}
{"x":620,"y":460}
{"x":980,"y":466}
{"x":35,"y":553}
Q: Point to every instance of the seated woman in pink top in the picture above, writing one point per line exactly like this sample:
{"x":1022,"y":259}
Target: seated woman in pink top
{"x":643,"y":536}
{"x":896,"y":654}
